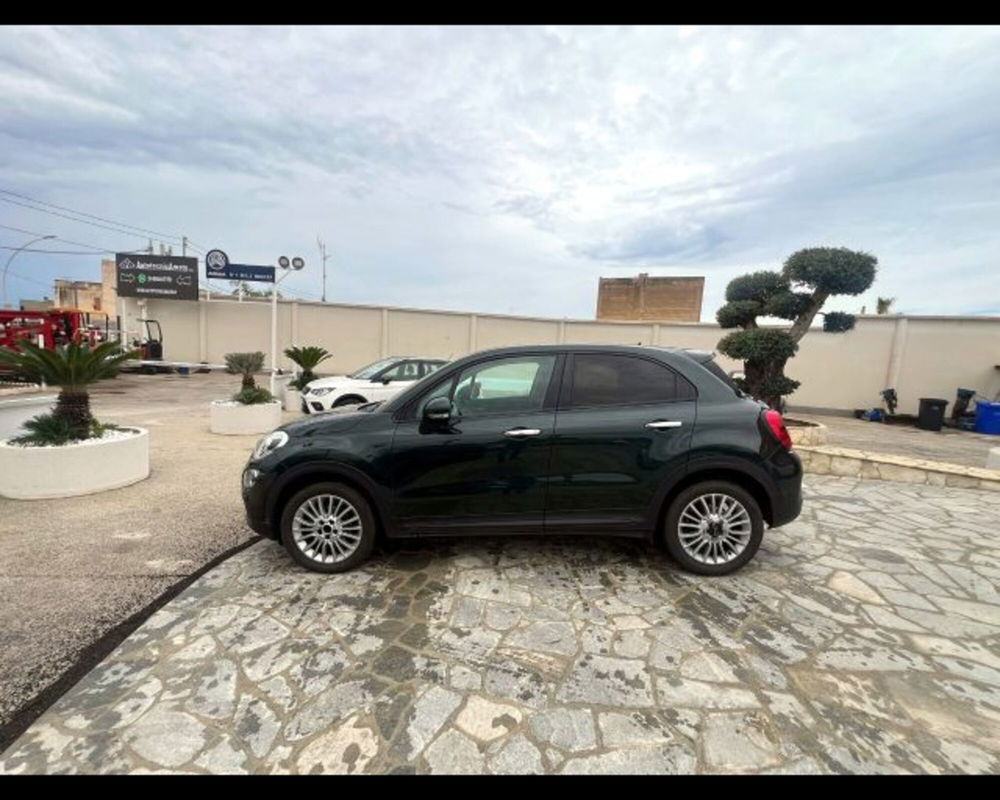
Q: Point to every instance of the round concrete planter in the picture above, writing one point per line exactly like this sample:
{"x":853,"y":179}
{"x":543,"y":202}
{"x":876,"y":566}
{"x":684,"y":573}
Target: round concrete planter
{"x":292,"y":400}
{"x":38,"y":473}
{"x":234,"y":419}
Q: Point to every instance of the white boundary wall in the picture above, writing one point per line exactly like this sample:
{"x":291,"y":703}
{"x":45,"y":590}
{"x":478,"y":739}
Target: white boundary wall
{"x":918,"y":356}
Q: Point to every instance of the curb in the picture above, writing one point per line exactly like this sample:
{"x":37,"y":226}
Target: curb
{"x":842,"y":461}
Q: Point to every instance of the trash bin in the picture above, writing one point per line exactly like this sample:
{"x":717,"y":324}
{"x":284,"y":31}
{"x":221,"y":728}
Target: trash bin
{"x":987,"y":417}
{"x":931,"y":416}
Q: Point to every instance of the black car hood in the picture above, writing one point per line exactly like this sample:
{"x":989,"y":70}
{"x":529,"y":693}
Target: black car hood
{"x":324,"y":423}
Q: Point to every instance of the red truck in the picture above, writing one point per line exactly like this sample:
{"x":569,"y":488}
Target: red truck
{"x":47,"y":328}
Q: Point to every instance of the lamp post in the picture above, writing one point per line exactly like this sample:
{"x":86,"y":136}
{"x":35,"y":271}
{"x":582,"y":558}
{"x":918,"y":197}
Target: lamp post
{"x":22,"y":247}
{"x":287,"y":267}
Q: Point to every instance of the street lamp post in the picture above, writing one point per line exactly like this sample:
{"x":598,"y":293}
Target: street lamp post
{"x":287,"y":266}
{"x":22,"y":247}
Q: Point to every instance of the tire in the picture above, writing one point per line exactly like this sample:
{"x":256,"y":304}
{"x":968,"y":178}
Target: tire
{"x":348,"y":400}
{"x":328,"y":557}
{"x":730,"y":548}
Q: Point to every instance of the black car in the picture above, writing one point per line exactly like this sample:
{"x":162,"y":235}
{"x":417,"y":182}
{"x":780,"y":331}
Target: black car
{"x":628,"y":441}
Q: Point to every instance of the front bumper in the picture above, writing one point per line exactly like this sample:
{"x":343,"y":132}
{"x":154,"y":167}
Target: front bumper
{"x":255,"y":496}
{"x":315,"y":405}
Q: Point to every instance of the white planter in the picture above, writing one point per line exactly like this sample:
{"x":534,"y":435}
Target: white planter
{"x":231,"y":418}
{"x":37,"y":473}
{"x":292,"y":400}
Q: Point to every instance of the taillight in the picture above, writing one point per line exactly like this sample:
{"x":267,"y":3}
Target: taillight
{"x":777,"y":424}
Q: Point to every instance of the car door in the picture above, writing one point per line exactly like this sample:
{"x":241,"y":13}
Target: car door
{"x":623,"y":427}
{"x":486,"y":467}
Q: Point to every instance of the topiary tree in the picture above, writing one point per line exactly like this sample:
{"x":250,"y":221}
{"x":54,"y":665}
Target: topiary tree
{"x":797,"y":293}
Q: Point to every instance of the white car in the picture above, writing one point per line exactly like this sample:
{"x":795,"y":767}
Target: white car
{"x":378,"y":381}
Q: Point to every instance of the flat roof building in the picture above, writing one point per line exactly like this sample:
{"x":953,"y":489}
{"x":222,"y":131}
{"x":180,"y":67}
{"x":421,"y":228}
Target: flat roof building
{"x":658,"y":299}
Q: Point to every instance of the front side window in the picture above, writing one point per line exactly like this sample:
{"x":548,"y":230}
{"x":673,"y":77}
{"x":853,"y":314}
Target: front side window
{"x":405,"y":371}
{"x":504,"y":385}
{"x":368,"y":372}
{"x":613,"y":380}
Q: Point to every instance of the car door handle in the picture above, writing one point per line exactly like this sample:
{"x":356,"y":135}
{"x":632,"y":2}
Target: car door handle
{"x":521,"y":433}
{"x":659,"y":424}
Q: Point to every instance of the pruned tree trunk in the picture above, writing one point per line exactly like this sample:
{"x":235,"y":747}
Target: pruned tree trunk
{"x":74,"y":407}
{"x":805,"y":319}
{"x":764,"y":373}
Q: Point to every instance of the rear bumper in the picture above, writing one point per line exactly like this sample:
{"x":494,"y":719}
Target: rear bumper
{"x":786,"y":499}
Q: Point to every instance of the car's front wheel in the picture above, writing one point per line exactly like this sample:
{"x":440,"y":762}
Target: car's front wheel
{"x":348,"y":400}
{"x":328,"y":527}
{"x":713,"y":527}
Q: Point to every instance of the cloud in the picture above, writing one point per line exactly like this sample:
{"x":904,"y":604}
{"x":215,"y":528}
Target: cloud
{"x":506,"y":169}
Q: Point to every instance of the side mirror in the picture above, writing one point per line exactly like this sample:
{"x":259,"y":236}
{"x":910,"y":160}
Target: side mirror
{"x":438,"y":409}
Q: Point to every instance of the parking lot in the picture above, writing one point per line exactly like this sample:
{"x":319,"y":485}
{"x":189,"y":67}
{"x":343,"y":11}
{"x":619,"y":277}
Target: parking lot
{"x":115,"y":552}
{"x":864,"y":637}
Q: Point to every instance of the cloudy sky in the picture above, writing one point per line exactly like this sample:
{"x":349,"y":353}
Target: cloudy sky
{"x":506,"y":169}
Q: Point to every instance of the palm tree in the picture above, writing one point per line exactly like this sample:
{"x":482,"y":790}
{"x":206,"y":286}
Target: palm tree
{"x":246,"y":365}
{"x":71,"y":367}
{"x":884,"y":305}
{"x":307,"y":358}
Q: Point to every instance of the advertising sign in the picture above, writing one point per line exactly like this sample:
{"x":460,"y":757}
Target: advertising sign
{"x":156,"y":277}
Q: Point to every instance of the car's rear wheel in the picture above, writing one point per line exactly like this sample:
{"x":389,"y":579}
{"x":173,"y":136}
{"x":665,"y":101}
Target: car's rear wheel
{"x":713,"y":527}
{"x":328,"y":527}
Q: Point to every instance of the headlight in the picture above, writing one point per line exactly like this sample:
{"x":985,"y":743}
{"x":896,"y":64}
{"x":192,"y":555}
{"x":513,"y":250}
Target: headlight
{"x":319,"y":392}
{"x":270,"y":443}
{"x":250,"y":477}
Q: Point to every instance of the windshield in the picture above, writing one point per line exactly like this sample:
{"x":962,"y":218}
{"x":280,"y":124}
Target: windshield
{"x":373,"y":369}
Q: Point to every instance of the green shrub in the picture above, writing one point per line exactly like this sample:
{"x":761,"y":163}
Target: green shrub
{"x":253,"y":395}
{"x":837,"y":322}
{"x":55,"y":429}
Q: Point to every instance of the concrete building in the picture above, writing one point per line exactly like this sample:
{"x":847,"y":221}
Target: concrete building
{"x":89,"y":295}
{"x":45,"y":304}
{"x":658,"y":299}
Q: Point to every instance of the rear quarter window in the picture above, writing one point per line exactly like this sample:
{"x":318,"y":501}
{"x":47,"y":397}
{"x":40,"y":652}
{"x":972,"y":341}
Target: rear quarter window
{"x":599,"y":379}
{"x":720,"y":373}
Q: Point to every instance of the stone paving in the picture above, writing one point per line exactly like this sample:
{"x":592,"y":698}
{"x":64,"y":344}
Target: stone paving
{"x":865,"y":637}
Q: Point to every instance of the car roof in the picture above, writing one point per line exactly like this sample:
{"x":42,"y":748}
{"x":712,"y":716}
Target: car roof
{"x":700,"y":356}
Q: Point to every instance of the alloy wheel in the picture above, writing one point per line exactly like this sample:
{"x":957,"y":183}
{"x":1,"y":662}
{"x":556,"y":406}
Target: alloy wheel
{"x":327,"y":528}
{"x":714,"y":528}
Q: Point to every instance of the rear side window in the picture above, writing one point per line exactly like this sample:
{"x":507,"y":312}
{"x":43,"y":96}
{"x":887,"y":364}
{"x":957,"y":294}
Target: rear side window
{"x":615,"y":380}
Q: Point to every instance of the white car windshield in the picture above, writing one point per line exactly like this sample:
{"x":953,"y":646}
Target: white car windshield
{"x":368,"y":372}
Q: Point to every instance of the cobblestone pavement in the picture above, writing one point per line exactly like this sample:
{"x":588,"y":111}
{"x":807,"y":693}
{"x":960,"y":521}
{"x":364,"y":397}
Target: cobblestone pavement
{"x":865,"y":637}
